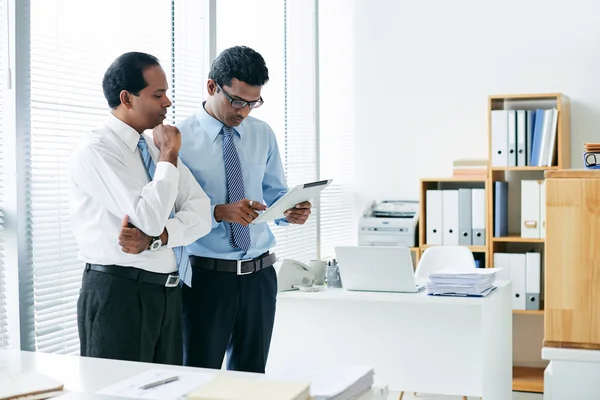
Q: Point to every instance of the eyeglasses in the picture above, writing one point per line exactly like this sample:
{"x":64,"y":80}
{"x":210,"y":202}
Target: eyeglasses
{"x":242,"y":103}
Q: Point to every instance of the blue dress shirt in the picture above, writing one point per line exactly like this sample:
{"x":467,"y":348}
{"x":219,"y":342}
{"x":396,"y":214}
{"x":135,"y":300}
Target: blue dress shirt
{"x":264,"y":178}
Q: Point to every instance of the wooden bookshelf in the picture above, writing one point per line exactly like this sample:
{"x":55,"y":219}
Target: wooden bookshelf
{"x":524,"y":379}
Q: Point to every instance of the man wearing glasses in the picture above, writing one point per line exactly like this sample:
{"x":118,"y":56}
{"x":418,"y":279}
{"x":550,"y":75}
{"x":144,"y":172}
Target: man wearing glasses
{"x":229,"y":297}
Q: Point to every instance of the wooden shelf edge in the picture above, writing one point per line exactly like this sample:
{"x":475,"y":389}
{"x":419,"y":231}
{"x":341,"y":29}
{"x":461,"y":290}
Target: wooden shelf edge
{"x":573,"y":174}
{"x":571,"y":345}
{"x":524,"y":96}
{"x":553,"y":168}
{"x":474,"y":249}
{"x":458,"y":179}
{"x":517,"y":239}
{"x":529,"y":312}
{"x":527,"y":379}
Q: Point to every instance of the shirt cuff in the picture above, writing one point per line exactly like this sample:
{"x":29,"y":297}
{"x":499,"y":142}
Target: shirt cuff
{"x":282,"y":222}
{"x":167,"y":172}
{"x":175,"y":233}
{"x":212,"y":215}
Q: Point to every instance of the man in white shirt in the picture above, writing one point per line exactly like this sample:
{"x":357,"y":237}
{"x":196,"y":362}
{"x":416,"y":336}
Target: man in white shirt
{"x":134,"y":207}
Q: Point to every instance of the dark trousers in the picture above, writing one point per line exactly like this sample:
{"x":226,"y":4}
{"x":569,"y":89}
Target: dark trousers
{"x":227,"y":313}
{"x":122,"y":319}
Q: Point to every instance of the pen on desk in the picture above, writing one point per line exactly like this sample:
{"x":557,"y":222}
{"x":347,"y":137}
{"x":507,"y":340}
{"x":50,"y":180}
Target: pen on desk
{"x":158,"y":383}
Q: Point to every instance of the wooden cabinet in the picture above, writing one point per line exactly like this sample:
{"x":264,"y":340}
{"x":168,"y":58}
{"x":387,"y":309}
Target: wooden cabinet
{"x":572,"y":259}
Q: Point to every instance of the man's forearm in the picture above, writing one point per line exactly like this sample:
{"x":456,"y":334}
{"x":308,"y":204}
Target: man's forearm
{"x":164,"y":237}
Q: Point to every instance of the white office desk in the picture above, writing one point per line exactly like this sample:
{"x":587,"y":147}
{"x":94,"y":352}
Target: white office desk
{"x":415,"y":342}
{"x":83,"y":376}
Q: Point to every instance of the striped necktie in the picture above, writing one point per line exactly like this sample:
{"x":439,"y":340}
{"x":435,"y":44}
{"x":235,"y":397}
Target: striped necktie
{"x":183,"y":261}
{"x":240,"y":235}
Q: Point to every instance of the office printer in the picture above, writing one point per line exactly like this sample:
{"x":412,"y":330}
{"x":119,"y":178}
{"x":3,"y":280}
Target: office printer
{"x":390,"y":223}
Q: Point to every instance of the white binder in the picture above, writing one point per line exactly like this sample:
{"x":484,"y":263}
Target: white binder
{"x":521,"y":138}
{"x":433,"y":217}
{"x":530,"y":208}
{"x":543,"y":209}
{"x":501,"y":263}
{"x":518,"y":274}
{"x":512,"y":138}
{"x":450,"y":217}
{"x":533,"y":280}
{"x":478,"y":216}
{"x":465,"y":216}
{"x":499,"y":126}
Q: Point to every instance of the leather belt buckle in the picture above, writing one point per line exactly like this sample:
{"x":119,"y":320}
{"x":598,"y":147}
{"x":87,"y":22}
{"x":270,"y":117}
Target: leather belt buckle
{"x":239,"y":267}
{"x":172,"y":281}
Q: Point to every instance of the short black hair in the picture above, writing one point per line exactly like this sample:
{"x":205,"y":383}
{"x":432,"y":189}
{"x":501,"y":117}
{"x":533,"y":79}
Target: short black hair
{"x":126,"y":73}
{"x":242,"y":63}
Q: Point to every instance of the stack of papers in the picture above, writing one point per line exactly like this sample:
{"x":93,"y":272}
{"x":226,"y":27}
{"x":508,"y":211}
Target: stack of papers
{"x":330,"y":382}
{"x":136,"y":387}
{"x":293,"y":383}
{"x":477,"y":282}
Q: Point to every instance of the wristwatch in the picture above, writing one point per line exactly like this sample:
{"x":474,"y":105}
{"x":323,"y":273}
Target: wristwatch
{"x":155,"y":244}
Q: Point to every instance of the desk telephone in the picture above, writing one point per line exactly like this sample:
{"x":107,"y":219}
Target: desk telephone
{"x":293,"y":274}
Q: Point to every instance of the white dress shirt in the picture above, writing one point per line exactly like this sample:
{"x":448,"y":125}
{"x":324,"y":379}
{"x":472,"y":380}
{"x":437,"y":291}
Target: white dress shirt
{"x":108,"y":180}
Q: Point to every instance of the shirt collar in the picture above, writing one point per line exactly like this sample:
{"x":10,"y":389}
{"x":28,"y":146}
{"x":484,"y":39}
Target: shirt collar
{"x":123,"y":131}
{"x":213,"y":126}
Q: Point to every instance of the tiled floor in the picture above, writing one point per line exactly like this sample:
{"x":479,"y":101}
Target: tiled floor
{"x":424,"y":396}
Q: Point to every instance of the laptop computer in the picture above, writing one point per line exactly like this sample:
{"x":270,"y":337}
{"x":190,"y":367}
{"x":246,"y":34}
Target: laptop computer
{"x":377,"y":269}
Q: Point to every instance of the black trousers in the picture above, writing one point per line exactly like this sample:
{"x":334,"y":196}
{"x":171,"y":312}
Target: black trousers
{"x":122,"y":319}
{"x":226,"y":313}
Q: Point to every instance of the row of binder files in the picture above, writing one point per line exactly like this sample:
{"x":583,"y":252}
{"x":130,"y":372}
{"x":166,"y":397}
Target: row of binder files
{"x":533,"y":209}
{"x":455,"y":217}
{"x":524,"y":270}
{"x":523,"y":138}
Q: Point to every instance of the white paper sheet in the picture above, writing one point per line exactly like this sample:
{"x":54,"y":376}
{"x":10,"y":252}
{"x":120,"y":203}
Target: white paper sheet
{"x":328,"y":382}
{"x":187,"y":382}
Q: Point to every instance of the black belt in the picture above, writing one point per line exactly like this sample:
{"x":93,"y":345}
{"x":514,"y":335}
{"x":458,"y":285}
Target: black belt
{"x":240,"y":267}
{"x":168,"y":280}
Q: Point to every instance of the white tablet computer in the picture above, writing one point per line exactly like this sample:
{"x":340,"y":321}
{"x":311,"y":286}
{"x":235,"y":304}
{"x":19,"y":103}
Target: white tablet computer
{"x":297,"y":194}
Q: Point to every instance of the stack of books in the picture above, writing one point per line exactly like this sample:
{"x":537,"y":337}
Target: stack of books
{"x":478,"y":282}
{"x":591,"y":155}
{"x":470,"y":167}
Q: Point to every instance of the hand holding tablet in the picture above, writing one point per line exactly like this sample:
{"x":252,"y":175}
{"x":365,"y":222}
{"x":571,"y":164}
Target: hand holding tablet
{"x":242,"y":212}
{"x":298,"y":195}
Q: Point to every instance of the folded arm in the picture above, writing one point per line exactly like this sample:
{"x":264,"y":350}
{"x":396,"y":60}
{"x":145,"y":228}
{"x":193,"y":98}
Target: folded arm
{"x":103,"y":177}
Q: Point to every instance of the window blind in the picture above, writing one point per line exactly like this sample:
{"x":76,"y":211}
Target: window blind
{"x":3,"y":64}
{"x":72,"y":44}
{"x":299,"y":147}
{"x":190,"y":56}
{"x":338,"y":226}
{"x":283,"y":33}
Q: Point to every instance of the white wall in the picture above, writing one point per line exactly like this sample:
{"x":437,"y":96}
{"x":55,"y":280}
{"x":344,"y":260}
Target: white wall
{"x":424,"y":69}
